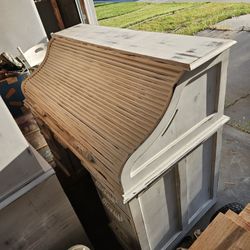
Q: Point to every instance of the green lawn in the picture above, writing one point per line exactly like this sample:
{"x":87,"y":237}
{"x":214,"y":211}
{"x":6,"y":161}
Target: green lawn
{"x":181,"y":18}
{"x":105,"y":11}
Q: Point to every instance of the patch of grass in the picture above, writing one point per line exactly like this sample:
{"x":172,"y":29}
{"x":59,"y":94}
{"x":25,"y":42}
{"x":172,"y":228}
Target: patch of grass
{"x":196,"y":19}
{"x":116,"y":9}
{"x":145,"y":13}
{"x":181,"y":18}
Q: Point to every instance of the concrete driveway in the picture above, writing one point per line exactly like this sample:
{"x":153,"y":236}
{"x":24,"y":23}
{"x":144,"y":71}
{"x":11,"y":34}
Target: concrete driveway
{"x":234,"y":180}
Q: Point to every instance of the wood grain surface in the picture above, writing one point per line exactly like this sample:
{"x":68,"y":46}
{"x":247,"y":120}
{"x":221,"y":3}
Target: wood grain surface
{"x":229,"y":231}
{"x":101,"y":102}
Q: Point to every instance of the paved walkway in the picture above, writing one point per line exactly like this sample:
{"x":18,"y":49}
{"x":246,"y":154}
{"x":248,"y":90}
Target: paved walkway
{"x":234,"y":181}
{"x":240,"y":23}
{"x":238,"y":83}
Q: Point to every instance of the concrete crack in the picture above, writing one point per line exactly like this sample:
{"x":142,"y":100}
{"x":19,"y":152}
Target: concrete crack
{"x":234,"y":102}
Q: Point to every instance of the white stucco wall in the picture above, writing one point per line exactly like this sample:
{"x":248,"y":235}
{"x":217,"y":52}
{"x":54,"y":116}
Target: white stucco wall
{"x":20,"y":25}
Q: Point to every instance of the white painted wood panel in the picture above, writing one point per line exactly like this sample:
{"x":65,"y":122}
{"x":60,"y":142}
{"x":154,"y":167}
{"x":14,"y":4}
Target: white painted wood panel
{"x":160,"y":212}
{"x":12,"y":142}
{"x":18,"y":165}
{"x":20,"y":25}
{"x":188,"y":52}
{"x":171,"y":205}
{"x":198,"y":100}
{"x":199,"y":170}
{"x":194,"y":111}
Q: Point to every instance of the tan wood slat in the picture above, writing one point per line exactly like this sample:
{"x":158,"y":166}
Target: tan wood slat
{"x":133,"y":71}
{"x":66,"y":139}
{"x":126,"y":140}
{"x":132,"y":58}
{"x":238,"y":220}
{"x":82,"y":128}
{"x":125,"y":75}
{"x":134,"y":116}
{"x":143,"y":69}
{"x":245,"y":214}
{"x":109,"y":78}
{"x":117,"y":98}
{"x":110,"y":114}
{"x":222,"y":234}
{"x":122,"y":114}
{"x":131,"y":107}
{"x":87,"y":141}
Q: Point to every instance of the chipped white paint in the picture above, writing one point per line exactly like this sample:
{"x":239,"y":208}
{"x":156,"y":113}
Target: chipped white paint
{"x":171,"y":179}
{"x":186,"y":51}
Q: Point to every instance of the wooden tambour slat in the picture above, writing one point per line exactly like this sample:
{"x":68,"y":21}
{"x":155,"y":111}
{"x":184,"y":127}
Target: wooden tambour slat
{"x":102,"y":102}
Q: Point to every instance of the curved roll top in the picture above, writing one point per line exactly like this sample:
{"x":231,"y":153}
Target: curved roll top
{"x":101,"y":97}
{"x":103,"y":102}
